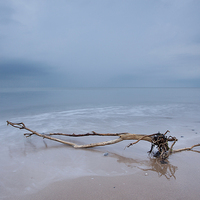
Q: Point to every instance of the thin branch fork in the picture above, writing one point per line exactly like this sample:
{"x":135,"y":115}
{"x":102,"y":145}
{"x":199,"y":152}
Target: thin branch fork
{"x":187,"y":149}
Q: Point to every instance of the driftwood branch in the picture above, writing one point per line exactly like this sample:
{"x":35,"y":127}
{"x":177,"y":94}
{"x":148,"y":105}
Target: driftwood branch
{"x":159,"y":140}
{"x":121,"y":136}
{"x":187,"y":149}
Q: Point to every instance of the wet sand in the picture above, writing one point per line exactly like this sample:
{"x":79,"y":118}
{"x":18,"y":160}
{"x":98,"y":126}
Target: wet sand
{"x":57,"y":171}
{"x":36,"y":168}
{"x":137,"y":186}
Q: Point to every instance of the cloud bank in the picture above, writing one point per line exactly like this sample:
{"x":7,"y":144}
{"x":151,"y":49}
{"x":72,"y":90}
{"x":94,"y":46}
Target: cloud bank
{"x":103,"y":43}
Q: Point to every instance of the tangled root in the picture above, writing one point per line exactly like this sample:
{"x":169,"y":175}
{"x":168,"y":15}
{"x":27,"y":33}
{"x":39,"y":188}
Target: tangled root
{"x":160,"y":141}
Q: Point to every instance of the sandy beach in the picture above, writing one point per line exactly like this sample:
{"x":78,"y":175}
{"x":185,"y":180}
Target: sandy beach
{"x":142,"y":185}
{"x":36,"y":168}
{"x":56,"y":171}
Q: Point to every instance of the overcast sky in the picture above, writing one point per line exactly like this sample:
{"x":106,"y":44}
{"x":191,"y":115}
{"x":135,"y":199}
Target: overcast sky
{"x":99,"y":43}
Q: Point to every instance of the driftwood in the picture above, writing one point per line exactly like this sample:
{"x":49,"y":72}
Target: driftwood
{"x":159,"y":140}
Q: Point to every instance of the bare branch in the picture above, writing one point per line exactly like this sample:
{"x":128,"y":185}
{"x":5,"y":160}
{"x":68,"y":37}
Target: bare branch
{"x":159,"y":140}
{"x":122,"y":136}
{"x":186,"y":149}
{"x":141,"y":139}
{"x":88,"y":134}
{"x":22,"y":125}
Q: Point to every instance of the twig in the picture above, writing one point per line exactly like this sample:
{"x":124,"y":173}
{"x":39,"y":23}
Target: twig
{"x":186,"y":149}
{"x":88,"y":134}
{"x":139,"y":140}
{"x":170,"y":150}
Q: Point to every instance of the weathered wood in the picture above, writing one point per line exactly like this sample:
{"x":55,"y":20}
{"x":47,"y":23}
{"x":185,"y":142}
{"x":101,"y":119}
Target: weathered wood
{"x":158,"y":139}
{"x":187,"y":149}
{"x":122,"y":136}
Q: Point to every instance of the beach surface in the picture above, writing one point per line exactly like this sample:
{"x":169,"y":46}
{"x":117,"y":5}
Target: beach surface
{"x":37,"y":168}
{"x":49,"y":170}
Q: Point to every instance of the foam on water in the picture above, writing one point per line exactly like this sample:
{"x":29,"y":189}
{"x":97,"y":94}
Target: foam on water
{"x":107,"y":118}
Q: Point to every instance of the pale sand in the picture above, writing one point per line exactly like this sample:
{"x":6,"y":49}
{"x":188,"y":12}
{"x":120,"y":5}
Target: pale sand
{"x":137,"y":186}
{"x":179,"y":179}
{"x":54,"y":171}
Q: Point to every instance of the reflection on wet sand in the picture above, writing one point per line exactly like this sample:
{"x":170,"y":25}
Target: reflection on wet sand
{"x":149,"y":164}
{"x":152,"y":164}
{"x":166,"y":170}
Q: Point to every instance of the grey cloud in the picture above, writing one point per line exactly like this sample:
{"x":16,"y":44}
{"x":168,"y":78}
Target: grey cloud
{"x":18,"y":68}
{"x":6,"y":13}
{"x":22,"y":73}
{"x":27,"y":73}
{"x":101,"y":43}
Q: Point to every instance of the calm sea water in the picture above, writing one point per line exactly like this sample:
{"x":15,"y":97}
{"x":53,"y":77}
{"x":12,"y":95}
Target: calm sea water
{"x":81,"y":109}
{"x":136,"y":110}
{"x":23,"y":102}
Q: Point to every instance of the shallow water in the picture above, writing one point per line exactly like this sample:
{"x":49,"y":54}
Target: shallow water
{"x":29,"y":164}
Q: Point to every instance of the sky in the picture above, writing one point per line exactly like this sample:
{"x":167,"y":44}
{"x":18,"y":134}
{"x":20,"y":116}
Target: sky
{"x":99,"y":43}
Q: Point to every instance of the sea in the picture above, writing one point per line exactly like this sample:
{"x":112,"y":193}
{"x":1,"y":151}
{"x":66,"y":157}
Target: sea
{"x":101,"y":109}
{"x":36,"y":161}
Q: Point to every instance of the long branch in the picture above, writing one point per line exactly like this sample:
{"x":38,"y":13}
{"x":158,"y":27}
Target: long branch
{"x":122,"y":136}
{"x":88,"y":134}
